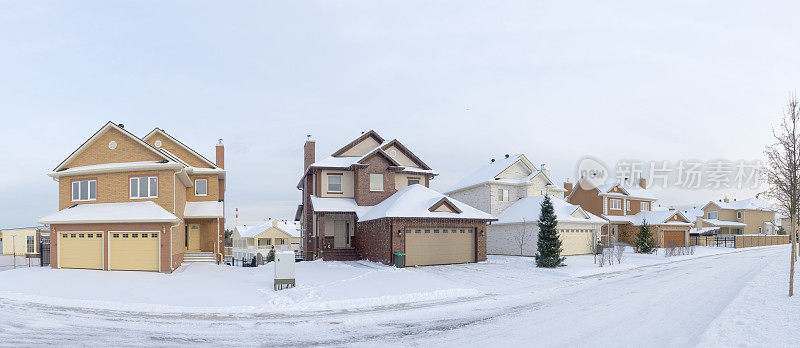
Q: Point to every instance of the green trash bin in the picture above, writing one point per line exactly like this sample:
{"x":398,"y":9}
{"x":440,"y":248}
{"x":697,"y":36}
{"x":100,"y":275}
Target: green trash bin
{"x":399,"y":260}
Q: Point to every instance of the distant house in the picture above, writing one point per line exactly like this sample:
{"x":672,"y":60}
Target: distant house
{"x":747,"y":216}
{"x":512,"y":189}
{"x":370,"y":199}
{"x":278,"y":235}
{"x":626,"y":208}
{"x":20,"y":241}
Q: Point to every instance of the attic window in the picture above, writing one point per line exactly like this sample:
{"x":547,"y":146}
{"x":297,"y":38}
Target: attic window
{"x":158,"y":143}
{"x":112,"y":145}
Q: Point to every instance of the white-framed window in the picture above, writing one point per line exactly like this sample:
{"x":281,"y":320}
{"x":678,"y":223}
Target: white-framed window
{"x":413,"y":181}
{"x":615,"y":204}
{"x":502,"y":195}
{"x":335,"y":183}
{"x":84,"y":190}
{"x":376,"y":182}
{"x":144,"y":187}
{"x":712,"y":215}
{"x":627,"y":205}
{"x":30,"y":245}
{"x":645,"y":206}
{"x":738,"y":215}
{"x":201,"y":187}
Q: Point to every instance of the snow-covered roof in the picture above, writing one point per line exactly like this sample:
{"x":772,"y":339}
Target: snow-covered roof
{"x":130,"y":212}
{"x":197,"y":210}
{"x":723,"y":223}
{"x":528,"y":209}
{"x":704,"y":231}
{"x":489,"y":172}
{"x":116,"y":167}
{"x":658,"y":217}
{"x":337,"y":205}
{"x":634,"y":191}
{"x":745,"y":204}
{"x":291,"y":228}
{"x":417,"y":201}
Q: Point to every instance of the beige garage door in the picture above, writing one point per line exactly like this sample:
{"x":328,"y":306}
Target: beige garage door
{"x":439,"y":246}
{"x":81,"y":250}
{"x":134,"y":251}
{"x":575,"y":242}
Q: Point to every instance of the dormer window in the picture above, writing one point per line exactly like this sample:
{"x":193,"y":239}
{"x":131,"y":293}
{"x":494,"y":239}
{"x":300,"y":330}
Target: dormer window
{"x":413,"y":181}
{"x":335,"y":183}
{"x":201,"y":187}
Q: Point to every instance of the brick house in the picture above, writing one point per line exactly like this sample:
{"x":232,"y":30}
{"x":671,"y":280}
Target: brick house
{"x":129,"y":203}
{"x":512,"y":189}
{"x":626,"y":208}
{"x":371,"y":199}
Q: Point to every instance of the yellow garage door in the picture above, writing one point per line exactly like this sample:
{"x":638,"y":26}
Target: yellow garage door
{"x":81,"y":250}
{"x":134,"y":251}
{"x":576,"y":242}
{"x":439,"y":246}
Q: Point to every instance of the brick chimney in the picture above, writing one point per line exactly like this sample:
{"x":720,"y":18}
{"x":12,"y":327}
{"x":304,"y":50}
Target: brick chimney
{"x":568,"y":186}
{"x":220,"y":154}
{"x":726,"y":200}
{"x":643,"y":183}
{"x":308,"y":152}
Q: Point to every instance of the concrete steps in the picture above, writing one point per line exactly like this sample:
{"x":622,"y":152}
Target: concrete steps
{"x":193,"y":257}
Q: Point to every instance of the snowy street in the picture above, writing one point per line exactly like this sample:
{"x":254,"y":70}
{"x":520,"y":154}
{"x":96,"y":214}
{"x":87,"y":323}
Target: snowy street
{"x":682,"y":303}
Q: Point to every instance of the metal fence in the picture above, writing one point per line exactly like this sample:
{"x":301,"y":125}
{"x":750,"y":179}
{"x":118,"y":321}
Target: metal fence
{"x":725,"y":241}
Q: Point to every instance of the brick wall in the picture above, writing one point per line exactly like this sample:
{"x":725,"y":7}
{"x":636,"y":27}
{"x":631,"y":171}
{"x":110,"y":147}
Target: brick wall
{"x":187,"y":156}
{"x":375,"y":165}
{"x":115,"y":188}
{"x":127,"y":150}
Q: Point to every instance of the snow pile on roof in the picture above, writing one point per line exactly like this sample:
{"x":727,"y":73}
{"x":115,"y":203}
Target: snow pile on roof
{"x":211,"y":209}
{"x":337,"y":205}
{"x":528,"y":209}
{"x":292,"y":228}
{"x":635,"y":191}
{"x":746,"y":204}
{"x":416,"y":201}
{"x":723,"y":223}
{"x":145,"y":211}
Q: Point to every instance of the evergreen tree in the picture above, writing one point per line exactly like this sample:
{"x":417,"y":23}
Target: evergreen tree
{"x":271,"y":255}
{"x":548,"y":245}
{"x":644,"y":239}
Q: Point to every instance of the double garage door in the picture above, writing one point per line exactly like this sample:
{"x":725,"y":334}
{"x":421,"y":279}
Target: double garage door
{"x":439,"y":246}
{"x":130,"y":251}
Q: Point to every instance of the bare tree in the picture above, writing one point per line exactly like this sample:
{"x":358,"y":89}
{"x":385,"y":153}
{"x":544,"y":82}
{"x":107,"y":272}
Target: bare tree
{"x":521,"y":237}
{"x":782,"y":172}
{"x":619,"y":252}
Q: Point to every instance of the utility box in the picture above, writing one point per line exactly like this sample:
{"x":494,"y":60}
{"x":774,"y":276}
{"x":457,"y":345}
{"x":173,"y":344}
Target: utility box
{"x":284,"y":270}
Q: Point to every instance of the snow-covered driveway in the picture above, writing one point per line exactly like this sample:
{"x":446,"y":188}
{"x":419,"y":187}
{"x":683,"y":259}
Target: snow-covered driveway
{"x":660,"y":305}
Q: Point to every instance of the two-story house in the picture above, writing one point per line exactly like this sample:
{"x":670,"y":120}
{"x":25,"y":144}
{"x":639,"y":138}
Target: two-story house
{"x":371,"y":199}
{"x":747,"y":216}
{"x":512,"y":189}
{"x":626,"y":208}
{"x":129,"y":203}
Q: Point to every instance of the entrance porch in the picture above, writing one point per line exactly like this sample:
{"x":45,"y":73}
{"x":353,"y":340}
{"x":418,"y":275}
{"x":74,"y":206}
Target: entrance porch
{"x":200,"y":235}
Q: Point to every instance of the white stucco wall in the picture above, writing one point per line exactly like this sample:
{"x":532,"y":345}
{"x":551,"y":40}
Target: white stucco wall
{"x":476,"y":197}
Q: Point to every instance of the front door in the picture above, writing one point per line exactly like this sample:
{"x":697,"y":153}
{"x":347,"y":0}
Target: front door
{"x":341,"y":234}
{"x":194,"y":237}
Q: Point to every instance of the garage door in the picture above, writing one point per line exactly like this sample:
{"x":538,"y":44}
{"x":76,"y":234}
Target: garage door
{"x":576,"y":242}
{"x":439,"y":246}
{"x":134,"y":251}
{"x":674,"y":238}
{"x":81,"y":250}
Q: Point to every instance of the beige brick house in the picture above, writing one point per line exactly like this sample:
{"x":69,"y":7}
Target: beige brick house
{"x":747,"y":216}
{"x":129,"y":203}
{"x":370,"y":199}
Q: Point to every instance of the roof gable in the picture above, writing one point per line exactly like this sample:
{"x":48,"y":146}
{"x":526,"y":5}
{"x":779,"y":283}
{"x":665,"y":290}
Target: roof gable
{"x":97,"y":149}
{"x":520,"y":168}
{"x":404,"y":156}
{"x":381,"y":153}
{"x":444,"y":205}
{"x":361,"y":145}
{"x":178,"y":149}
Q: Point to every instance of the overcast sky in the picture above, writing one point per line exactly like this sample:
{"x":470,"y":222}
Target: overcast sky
{"x":459,"y":82}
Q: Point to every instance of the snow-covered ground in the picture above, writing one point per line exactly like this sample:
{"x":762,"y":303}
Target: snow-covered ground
{"x":7,"y":262}
{"x":702,"y":299}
